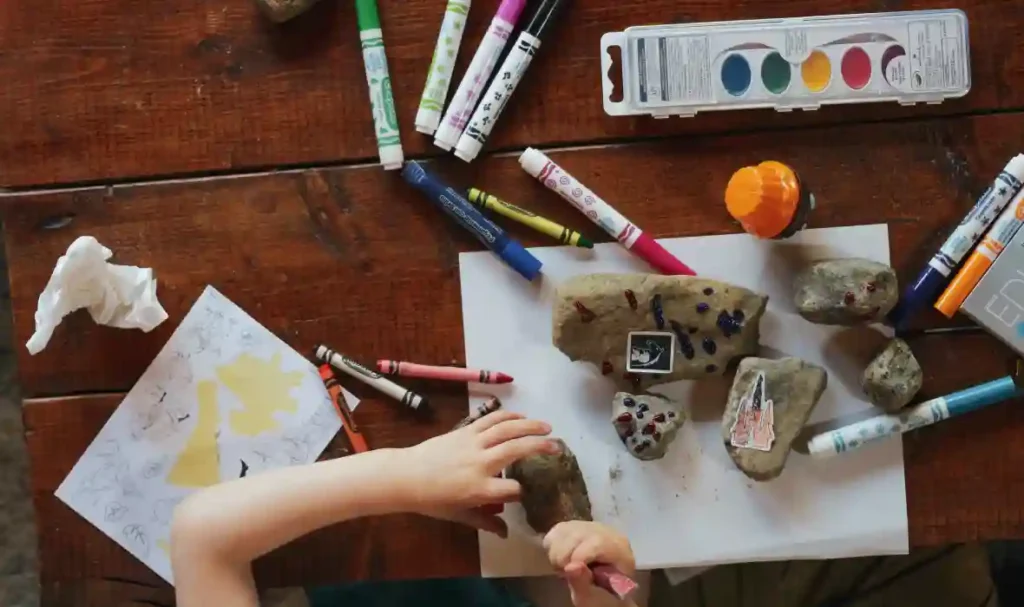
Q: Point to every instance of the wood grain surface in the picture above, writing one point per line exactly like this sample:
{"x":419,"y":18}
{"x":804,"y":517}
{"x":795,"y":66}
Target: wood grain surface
{"x":353,"y":257}
{"x":965,"y":482}
{"x":117,"y":89}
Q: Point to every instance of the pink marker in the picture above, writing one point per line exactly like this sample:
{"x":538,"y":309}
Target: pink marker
{"x":542,"y":168}
{"x":460,"y":374}
{"x":461,"y":107}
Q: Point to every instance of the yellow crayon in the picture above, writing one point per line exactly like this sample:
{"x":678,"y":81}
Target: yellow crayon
{"x":545,"y":226}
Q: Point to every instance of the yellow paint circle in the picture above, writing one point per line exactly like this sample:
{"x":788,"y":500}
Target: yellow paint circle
{"x":816,"y":72}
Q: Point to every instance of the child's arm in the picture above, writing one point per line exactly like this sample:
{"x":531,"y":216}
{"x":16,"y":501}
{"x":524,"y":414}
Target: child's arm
{"x":218,"y":532}
{"x":574,"y":546}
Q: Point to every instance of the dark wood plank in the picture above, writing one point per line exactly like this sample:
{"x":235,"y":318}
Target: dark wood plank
{"x":104,"y":89}
{"x":965,"y":482}
{"x":357,"y":257}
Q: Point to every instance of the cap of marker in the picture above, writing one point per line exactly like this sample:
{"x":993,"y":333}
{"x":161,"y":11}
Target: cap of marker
{"x":764,"y":198}
{"x":533,"y":161}
{"x":520,"y":260}
{"x":468,"y":148}
{"x":427,"y":120}
{"x":392,"y":157}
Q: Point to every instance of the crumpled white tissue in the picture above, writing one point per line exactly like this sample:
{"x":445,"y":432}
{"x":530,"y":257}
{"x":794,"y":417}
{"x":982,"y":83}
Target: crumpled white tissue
{"x":117,"y":296}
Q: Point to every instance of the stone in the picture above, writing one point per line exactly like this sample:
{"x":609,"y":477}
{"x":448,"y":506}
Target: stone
{"x":646,"y":423}
{"x":846,"y":292}
{"x":714,"y":323}
{"x":893,"y":378}
{"x":769,"y":403}
{"x":553,"y":489}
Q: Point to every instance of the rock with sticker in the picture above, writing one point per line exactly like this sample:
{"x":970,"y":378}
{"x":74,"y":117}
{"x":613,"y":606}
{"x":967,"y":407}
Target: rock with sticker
{"x":846,"y":291}
{"x":710,"y":323}
{"x":646,"y":423}
{"x":769,"y":403}
{"x":893,"y":378}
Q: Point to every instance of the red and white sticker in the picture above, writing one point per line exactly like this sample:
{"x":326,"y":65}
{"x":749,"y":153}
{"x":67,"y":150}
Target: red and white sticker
{"x":754,"y":427}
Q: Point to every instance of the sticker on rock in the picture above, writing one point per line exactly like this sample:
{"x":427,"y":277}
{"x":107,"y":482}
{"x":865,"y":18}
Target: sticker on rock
{"x":650,"y":352}
{"x":754,"y":427}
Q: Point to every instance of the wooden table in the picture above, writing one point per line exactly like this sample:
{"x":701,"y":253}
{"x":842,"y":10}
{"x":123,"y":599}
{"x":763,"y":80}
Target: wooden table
{"x":195,"y":137}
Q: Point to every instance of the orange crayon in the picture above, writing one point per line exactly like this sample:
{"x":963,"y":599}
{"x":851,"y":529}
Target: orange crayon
{"x":768,"y":200}
{"x":978,"y":264}
{"x":355,"y":437}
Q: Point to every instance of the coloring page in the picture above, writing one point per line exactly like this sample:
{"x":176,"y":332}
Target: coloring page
{"x":225,"y":398}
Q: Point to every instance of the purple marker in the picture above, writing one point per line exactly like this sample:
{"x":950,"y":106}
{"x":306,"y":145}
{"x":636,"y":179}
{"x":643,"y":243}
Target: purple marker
{"x":468,"y":94}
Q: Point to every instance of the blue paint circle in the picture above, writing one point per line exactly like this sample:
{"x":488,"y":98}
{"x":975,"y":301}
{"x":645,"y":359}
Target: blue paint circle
{"x":736,"y":75}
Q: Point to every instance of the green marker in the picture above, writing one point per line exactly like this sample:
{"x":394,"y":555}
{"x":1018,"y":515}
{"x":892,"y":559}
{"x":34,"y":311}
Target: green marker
{"x":382,"y":100}
{"x":439,"y":76}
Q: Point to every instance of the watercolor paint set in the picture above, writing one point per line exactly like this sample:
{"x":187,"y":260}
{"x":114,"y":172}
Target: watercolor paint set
{"x":799,"y":63}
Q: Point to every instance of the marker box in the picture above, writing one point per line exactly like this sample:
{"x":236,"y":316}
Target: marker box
{"x":801,"y":63}
{"x":997,"y":303}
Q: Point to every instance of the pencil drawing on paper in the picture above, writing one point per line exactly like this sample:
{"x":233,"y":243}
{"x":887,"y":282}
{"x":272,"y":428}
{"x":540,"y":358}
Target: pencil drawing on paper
{"x":225,"y":398}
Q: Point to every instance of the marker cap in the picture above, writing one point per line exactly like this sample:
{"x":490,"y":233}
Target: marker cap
{"x":447,"y":136}
{"x":325,"y":372}
{"x":521,"y":260}
{"x":468,"y":148}
{"x":392,"y":157}
{"x":533,"y":161}
{"x":763,"y":198}
{"x":1016,"y":167}
{"x":427,"y":121}
{"x":957,"y":292}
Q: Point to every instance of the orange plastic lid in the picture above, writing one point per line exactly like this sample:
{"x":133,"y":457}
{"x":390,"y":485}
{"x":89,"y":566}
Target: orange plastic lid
{"x":763,"y":198}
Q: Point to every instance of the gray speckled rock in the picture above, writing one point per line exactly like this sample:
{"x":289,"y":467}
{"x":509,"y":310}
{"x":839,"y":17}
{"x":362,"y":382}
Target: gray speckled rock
{"x":714,"y":322}
{"x":553,"y":489}
{"x":773,"y":412}
{"x":893,"y":378}
{"x":846,"y":291}
{"x":646,"y":423}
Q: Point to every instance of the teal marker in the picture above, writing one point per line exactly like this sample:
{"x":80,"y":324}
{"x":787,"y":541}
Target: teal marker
{"x":382,"y":100}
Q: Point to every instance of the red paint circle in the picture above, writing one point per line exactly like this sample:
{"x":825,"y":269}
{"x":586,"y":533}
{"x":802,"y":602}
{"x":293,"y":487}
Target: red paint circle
{"x":856,"y":68}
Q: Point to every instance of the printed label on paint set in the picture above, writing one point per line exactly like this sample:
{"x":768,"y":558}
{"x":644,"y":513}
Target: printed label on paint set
{"x":908,"y":57}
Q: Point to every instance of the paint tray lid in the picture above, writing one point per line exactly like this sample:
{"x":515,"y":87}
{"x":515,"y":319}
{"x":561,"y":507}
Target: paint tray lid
{"x":800,"y":63}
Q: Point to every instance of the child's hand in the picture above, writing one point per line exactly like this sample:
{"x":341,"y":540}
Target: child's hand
{"x":574,"y":546}
{"x":452,"y":475}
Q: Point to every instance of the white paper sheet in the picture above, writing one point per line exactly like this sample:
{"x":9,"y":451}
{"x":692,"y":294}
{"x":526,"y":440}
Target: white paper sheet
{"x":189,"y":422}
{"x":694,"y":507}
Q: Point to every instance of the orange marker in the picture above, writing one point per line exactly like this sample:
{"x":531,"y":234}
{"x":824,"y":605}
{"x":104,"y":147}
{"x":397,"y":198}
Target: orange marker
{"x":355,"y":437}
{"x":1002,"y":232}
{"x":768,"y":200}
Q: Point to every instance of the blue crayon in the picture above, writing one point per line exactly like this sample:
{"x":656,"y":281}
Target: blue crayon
{"x":939,"y":271}
{"x":458,"y":208}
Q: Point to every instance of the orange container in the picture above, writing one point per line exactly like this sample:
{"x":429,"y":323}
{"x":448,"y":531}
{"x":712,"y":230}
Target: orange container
{"x":768,"y":200}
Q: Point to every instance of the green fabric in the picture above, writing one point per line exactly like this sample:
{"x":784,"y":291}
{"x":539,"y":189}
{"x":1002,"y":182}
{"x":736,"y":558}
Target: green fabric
{"x":467,"y":592}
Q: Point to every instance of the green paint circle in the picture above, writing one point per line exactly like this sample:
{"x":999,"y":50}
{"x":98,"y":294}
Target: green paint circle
{"x":776,"y":73}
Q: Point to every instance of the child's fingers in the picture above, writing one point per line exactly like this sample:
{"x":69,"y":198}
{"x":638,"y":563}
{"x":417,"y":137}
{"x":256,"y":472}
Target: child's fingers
{"x":512,"y":429}
{"x":592,"y":550}
{"x":560,"y":552}
{"x":580,"y":578}
{"x":494,"y":419}
{"x":504,"y":455}
{"x":503,"y":490}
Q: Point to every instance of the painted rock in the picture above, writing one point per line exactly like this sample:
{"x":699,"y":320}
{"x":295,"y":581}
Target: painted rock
{"x":893,"y":378}
{"x":553,"y":489}
{"x":646,"y":423}
{"x":769,"y":403}
{"x":711,"y":323}
{"x":846,"y":292}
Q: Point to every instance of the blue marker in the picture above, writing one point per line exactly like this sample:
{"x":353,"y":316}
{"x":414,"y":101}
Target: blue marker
{"x":940,"y":269}
{"x":927,"y":413}
{"x":458,"y":208}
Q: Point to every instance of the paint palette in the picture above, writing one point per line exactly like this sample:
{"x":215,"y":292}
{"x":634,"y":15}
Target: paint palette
{"x":801,"y":63}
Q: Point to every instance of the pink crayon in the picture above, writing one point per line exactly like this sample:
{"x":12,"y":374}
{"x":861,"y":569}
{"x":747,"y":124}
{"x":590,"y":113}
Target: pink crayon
{"x":460,"y":374}
{"x":557,"y":179}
